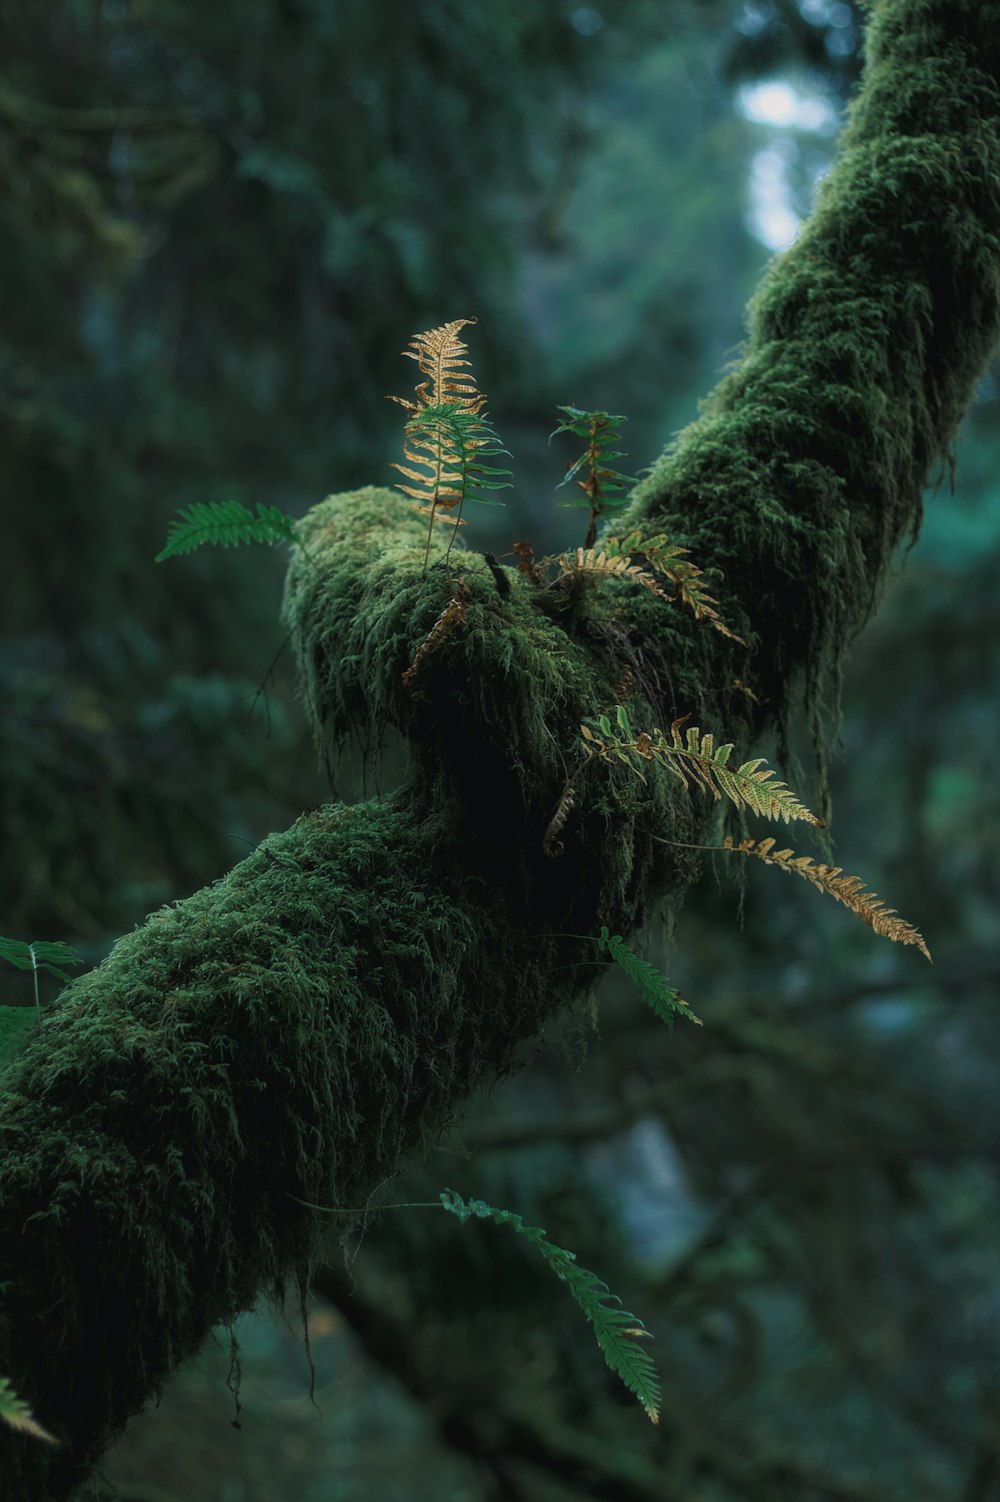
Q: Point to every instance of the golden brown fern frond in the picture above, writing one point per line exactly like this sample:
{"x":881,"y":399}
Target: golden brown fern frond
{"x":695,"y":758}
{"x":442,"y":485}
{"x":454,"y":614}
{"x":691,"y":592}
{"x":590,"y":560}
{"x":448,"y":438}
{"x":440,"y":356}
{"x":697,"y":761}
{"x":667,"y":558}
{"x":850,"y":890}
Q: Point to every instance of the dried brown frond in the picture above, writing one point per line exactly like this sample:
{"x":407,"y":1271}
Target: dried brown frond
{"x":667,"y":558}
{"x":850,"y":890}
{"x":567,"y":802}
{"x":454,"y":614}
{"x":440,"y":357}
{"x":589,"y":560}
{"x":747,"y":692}
{"x":526,"y":561}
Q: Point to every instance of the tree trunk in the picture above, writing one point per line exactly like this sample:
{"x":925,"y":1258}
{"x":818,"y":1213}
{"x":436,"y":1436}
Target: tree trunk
{"x":294,"y":1031}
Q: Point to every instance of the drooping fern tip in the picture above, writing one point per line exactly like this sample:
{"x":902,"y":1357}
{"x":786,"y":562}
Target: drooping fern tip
{"x":698,"y":763}
{"x":17,"y":1414}
{"x":849,"y":890}
{"x":656,"y":992}
{"x":615,"y":1328}
{"x":225,"y":524}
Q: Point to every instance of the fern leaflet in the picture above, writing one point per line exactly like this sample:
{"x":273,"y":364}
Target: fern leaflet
{"x":666,"y":558}
{"x":614,"y":1327}
{"x":850,"y":890}
{"x":589,"y":560}
{"x":227,"y":524}
{"x":440,"y":356}
{"x":42,"y":954}
{"x":663,"y":998}
{"x":697,"y":762}
{"x":17,"y":1414}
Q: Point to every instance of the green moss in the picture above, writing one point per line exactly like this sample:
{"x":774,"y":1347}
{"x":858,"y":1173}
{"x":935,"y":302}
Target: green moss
{"x":322,"y":1011}
{"x":865,"y":342}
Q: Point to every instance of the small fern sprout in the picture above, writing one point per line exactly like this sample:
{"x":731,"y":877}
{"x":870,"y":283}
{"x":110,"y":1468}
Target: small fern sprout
{"x":40,"y":955}
{"x":18,"y":1023}
{"x":603,"y":486}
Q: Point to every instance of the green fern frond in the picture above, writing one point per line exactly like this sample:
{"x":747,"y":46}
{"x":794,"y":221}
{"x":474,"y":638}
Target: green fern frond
{"x":603,"y":486}
{"x":697,"y":762}
{"x":662,"y":554}
{"x":17,"y":1415}
{"x":450,"y":443}
{"x":850,"y":890}
{"x":695,"y":758}
{"x":41,"y":954}
{"x":663,"y":998}
{"x":614,"y":1327}
{"x":227,"y":524}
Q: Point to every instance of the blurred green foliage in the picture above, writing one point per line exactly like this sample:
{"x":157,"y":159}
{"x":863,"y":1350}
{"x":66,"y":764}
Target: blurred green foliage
{"x":218,"y":228}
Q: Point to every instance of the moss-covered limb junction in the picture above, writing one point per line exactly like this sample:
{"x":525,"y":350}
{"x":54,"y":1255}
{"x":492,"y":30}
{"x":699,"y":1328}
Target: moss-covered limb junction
{"x":300,"y":1026}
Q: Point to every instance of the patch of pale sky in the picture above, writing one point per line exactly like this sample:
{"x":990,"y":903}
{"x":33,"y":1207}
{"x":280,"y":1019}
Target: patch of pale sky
{"x":777,"y":103}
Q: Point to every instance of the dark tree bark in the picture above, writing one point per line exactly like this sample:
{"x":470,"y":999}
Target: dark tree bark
{"x":294,"y":1031}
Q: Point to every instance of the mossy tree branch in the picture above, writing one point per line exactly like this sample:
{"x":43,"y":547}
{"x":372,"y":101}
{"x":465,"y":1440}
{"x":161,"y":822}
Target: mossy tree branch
{"x":301,"y":1026}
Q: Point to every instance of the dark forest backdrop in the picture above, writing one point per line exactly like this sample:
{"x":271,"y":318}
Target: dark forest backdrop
{"x":218,"y":228}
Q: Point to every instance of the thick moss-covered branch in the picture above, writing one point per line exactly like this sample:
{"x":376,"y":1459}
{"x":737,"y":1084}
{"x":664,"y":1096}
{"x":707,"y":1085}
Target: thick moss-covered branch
{"x":297,"y":1028}
{"x":866,"y":340}
{"x":285,"y":1035}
